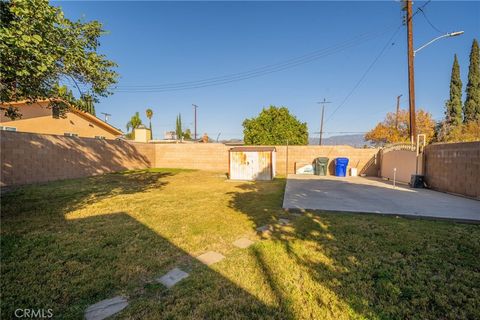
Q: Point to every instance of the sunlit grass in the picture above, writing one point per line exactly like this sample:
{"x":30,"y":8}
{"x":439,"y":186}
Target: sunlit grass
{"x":69,"y":244}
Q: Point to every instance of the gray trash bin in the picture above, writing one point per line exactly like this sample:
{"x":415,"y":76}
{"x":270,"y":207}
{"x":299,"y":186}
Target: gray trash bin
{"x":320,"y":166}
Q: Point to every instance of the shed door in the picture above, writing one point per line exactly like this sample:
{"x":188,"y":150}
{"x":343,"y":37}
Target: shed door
{"x":244,"y":165}
{"x":252,"y":165}
{"x":264,"y":166}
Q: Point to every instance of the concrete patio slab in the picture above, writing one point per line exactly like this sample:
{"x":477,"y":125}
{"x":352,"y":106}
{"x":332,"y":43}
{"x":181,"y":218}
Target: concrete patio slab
{"x":172,"y":277}
{"x":105,"y":308}
{"x":358,"y":194}
{"x":243,"y":243}
{"x":210,"y":257}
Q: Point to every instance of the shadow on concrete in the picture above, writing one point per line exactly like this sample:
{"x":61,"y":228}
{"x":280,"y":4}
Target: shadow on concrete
{"x":380,"y":267}
{"x":357,"y":194}
{"x":372,"y":167}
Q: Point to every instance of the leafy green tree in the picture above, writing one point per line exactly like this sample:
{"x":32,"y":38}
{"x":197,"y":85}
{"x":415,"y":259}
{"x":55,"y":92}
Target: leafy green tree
{"x":454,"y":104}
{"x":149,"y":114}
{"x":187,"y":135}
{"x":275,"y":126}
{"x":134,"y":123}
{"x":471,"y":109}
{"x":178,"y":127}
{"x":42,"y":52}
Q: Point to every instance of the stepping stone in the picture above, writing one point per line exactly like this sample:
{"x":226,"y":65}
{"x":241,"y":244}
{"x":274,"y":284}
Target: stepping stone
{"x":283,"y":221}
{"x":172,"y":277}
{"x":105,"y":308}
{"x":264,"y":228}
{"x":210,"y":257}
{"x":243,"y":243}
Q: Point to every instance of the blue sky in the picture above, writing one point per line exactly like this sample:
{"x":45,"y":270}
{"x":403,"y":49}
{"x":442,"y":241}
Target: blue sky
{"x":157,"y":43}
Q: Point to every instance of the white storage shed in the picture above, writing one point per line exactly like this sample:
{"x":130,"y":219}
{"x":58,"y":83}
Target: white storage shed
{"x":252,"y":163}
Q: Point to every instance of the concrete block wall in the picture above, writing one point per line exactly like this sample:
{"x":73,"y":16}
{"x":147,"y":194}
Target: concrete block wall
{"x":202,"y":156}
{"x":30,"y":158}
{"x":365,"y":160}
{"x":214,"y":157}
{"x":454,"y":168}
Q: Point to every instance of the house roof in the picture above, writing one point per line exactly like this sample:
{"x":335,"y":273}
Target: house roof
{"x":252,"y":149}
{"x":72,"y":109}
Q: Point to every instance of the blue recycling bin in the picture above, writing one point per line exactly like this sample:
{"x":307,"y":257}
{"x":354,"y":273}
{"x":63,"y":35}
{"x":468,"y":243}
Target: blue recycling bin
{"x":341,"y":167}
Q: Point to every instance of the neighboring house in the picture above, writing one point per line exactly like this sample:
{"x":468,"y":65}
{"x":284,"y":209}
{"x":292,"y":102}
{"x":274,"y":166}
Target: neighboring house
{"x":170,"y":135}
{"x":142,"y":134}
{"x":38,"y":117}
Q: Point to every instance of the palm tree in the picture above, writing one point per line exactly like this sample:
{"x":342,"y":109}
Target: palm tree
{"x":149,"y":113}
{"x":134,"y":123}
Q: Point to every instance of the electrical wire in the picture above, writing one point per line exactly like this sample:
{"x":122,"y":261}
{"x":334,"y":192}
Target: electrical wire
{"x":291,"y":60}
{"x":290,"y":63}
{"x":429,"y":22}
{"x":255,"y":72}
{"x":419,"y":9}
{"x":364,"y":75}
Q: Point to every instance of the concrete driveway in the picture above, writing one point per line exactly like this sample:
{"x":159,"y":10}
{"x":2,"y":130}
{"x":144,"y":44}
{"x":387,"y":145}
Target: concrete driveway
{"x":357,"y":194}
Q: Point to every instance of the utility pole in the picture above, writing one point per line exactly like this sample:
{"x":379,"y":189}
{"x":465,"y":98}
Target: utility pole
{"x":398,"y":110}
{"x":411,"y":78}
{"x":321,"y":122}
{"x":195,"y":107}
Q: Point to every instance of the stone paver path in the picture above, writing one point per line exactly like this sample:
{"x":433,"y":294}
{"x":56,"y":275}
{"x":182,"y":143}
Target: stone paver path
{"x":105,"y":308}
{"x":172,"y":277}
{"x":265,"y":228}
{"x":243,"y":243}
{"x":109,"y":307}
{"x":283,"y":221}
{"x":210,"y":257}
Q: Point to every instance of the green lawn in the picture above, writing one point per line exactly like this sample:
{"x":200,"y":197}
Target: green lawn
{"x":68,"y":244}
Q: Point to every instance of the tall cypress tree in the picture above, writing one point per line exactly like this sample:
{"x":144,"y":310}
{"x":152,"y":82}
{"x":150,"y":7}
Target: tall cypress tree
{"x":454,"y":104}
{"x":178,"y":129}
{"x":471,"y":109}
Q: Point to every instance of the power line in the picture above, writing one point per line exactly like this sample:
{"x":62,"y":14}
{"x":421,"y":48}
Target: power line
{"x":365,"y":73}
{"x":290,"y":63}
{"x":418,"y":9}
{"x":374,"y":62}
{"x":429,"y":22}
{"x":260,"y":69}
{"x":255,"y":72}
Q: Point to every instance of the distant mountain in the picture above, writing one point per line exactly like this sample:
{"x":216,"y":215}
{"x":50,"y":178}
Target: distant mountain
{"x":233,"y":142}
{"x":354,"y":140}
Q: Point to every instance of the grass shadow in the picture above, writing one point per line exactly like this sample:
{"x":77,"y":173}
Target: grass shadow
{"x":370,"y":266}
{"x":71,"y":194}
{"x":82,"y":261}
